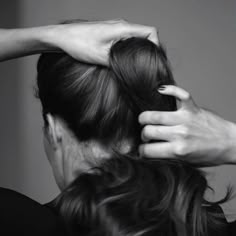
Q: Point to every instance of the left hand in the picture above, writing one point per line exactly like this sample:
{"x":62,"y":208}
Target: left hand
{"x":91,"y":41}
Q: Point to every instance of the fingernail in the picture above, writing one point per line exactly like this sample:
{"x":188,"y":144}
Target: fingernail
{"x":163,"y":87}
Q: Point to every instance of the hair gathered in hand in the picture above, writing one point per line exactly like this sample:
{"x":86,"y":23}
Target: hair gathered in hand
{"x":125,"y":195}
{"x":141,"y":67}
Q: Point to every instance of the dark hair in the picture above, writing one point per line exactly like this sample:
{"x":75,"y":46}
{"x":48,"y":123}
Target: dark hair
{"x":126,"y":195}
{"x":91,"y":98}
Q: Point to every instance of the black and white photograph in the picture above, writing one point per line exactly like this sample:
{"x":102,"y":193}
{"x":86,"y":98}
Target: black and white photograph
{"x":118,"y":118}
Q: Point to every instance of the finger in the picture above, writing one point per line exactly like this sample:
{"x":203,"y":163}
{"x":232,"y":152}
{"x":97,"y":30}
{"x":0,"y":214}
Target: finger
{"x":159,"y":118}
{"x":182,"y":95}
{"x":157,"y":132}
{"x":137,"y":30}
{"x":154,"y":37}
{"x":156,"y":150}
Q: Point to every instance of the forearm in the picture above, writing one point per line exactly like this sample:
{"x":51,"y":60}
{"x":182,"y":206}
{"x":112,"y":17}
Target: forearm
{"x":22,"y":42}
{"x":84,"y":41}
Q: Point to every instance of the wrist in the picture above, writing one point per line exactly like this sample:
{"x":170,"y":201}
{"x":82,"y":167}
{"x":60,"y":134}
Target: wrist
{"x":42,"y":38}
{"x":47,"y":37}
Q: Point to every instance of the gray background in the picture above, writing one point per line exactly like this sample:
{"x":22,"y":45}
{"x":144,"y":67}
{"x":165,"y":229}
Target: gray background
{"x":200,"y":38}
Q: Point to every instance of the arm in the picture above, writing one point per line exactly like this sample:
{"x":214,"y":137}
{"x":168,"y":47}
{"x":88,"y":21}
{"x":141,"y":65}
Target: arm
{"x":22,"y":42}
{"x":191,"y":133}
{"x":85,"y":41}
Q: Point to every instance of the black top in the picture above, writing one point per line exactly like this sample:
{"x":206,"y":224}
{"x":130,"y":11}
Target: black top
{"x":20,"y":215}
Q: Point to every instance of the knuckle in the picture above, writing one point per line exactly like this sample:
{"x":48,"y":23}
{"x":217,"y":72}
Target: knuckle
{"x":155,"y":117}
{"x":123,"y":22}
{"x":171,"y":89}
{"x":156,"y":132}
{"x":147,"y":130}
{"x":119,"y":20}
{"x":149,"y":117}
{"x":186,"y":115}
{"x":184,"y":132}
{"x":181,"y":149}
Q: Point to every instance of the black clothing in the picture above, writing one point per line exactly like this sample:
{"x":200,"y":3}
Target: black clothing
{"x":20,"y":215}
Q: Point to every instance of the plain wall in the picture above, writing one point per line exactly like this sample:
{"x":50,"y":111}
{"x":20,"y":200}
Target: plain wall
{"x":10,"y":160}
{"x":200,"y":39}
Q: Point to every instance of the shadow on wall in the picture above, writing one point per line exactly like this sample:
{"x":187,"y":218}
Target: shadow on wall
{"x":22,"y":159}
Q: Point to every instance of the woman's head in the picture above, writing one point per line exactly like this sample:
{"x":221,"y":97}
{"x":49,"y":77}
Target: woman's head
{"x":91,"y":113}
{"x":98,"y":107}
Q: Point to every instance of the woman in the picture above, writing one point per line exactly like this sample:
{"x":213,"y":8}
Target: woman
{"x":19,"y":214}
{"x":63,"y":130}
{"x":92,"y":137}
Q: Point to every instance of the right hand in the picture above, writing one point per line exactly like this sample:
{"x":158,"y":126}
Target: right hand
{"x":191,"y":133}
{"x":91,"y":41}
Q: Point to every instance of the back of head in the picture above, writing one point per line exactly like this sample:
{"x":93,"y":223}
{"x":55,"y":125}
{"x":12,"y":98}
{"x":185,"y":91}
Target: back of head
{"x":100,"y":103}
{"x":126,"y":196}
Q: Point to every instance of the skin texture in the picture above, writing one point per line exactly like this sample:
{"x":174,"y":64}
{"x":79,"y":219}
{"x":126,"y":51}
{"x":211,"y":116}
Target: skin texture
{"x":67,"y":156}
{"x":190,"y":133}
{"x":85,"y":41}
{"x":91,"y":41}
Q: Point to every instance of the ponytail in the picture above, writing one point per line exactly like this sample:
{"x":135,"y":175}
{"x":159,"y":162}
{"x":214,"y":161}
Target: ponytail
{"x":126,"y":195}
{"x":141,"y":68}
